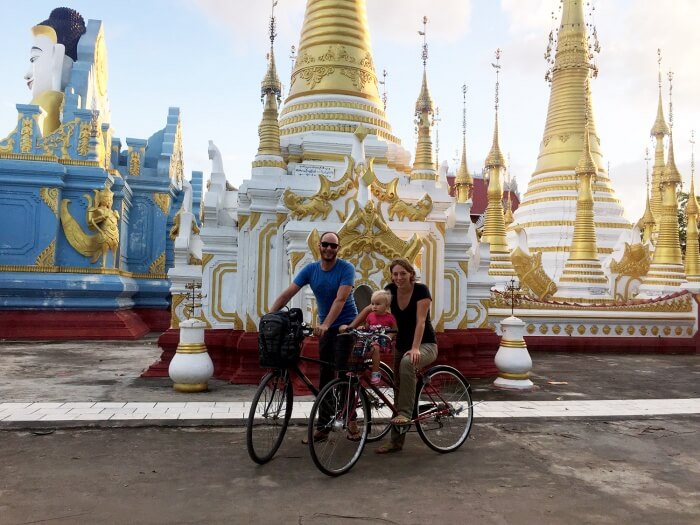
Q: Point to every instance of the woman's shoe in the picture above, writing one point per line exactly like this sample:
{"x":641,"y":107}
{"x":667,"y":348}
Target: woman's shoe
{"x":400,"y":421}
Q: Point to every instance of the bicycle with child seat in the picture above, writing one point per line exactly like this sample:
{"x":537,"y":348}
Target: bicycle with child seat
{"x":271,"y":407}
{"x":443,"y":411}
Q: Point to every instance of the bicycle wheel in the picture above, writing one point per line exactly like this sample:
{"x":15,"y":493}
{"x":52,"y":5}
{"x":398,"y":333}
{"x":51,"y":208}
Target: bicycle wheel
{"x":444,"y":409}
{"x":381,"y":412}
{"x":340,"y":406}
{"x":269,"y":416}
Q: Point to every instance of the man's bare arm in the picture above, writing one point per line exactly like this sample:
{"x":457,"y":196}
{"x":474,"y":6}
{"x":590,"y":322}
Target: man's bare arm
{"x":285,"y":297}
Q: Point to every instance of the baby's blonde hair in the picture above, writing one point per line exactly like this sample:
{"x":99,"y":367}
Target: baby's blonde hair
{"x":382,"y":295}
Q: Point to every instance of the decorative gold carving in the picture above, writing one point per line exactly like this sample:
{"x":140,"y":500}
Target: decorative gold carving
{"x":312,"y":242}
{"x":366,"y":232}
{"x":48,"y":256}
{"x":581,"y":329}
{"x":385,"y":192}
{"x":254,"y":218}
{"x":250,"y":326}
{"x":318,"y":205}
{"x":134,"y":163}
{"x":678,"y":330}
{"x":25,"y":138}
{"x":268,"y":163}
{"x":192,"y":260}
{"x":643,"y":330}
{"x":556,"y":329}
{"x":417,"y":212}
{"x":630,"y":330}
{"x":569,"y":329}
{"x":531,"y":328}
{"x":606,"y":330}
{"x":59,"y":139}
{"x":594,"y":329}
{"x":158,"y":265}
{"x":50,"y":197}
{"x":618,"y":330}
{"x":84,"y":139}
{"x":654,"y":330}
{"x":532,"y":275}
{"x":294,"y":259}
{"x":544,"y":329}
{"x":667,"y":330}
{"x":177,"y":300}
{"x":100,"y":218}
{"x":206,"y":258}
{"x":635,"y":261}
{"x":162,"y":200}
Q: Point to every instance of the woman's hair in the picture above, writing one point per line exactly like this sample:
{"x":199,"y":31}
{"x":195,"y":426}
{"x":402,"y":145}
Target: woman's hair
{"x":382,"y":295}
{"x":405,"y":265}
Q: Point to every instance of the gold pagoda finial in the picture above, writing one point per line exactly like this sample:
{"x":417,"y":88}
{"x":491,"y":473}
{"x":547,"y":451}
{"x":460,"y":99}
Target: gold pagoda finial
{"x":647,"y":221}
{"x":671,"y":173}
{"x":573,"y":62}
{"x":692,"y":206}
{"x":269,"y":150}
{"x":424,"y":166}
{"x":494,"y":224}
{"x":495,"y":157}
{"x":271,"y":82}
{"x":463,"y":181}
{"x":584,"y":245}
{"x":659,"y":127}
{"x":692,"y":245}
{"x":334,"y":54}
{"x":383,"y":83}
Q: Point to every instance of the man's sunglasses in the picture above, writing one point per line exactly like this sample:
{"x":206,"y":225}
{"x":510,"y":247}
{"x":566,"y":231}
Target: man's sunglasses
{"x":325,"y":244}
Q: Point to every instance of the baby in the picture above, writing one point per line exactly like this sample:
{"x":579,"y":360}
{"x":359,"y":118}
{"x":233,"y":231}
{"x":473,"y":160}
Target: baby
{"x":378,"y":317}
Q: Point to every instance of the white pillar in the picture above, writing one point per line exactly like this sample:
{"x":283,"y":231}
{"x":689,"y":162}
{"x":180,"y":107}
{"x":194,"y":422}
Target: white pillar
{"x":191,"y":367}
{"x":512,"y":359}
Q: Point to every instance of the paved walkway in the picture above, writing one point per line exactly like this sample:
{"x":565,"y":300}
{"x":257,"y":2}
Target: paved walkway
{"x":238,"y":411}
{"x":72,"y":384}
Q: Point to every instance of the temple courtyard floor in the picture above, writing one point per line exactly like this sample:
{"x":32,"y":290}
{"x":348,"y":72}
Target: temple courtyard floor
{"x":603,"y":439}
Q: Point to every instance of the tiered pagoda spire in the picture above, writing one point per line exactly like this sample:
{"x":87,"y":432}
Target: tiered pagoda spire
{"x":659,"y":130}
{"x":583,"y":276}
{"x":494,"y":231}
{"x":666,"y":272}
{"x":692,"y":244}
{"x":424,"y":163}
{"x":647,"y":221}
{"x":269,"y":150}
{"x":464,"y":183}
{"x":334,"y":85}
{"x":547,"y":210}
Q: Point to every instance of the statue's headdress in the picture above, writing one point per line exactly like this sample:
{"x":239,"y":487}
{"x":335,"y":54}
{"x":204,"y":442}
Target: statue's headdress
{"x":69,"y":26}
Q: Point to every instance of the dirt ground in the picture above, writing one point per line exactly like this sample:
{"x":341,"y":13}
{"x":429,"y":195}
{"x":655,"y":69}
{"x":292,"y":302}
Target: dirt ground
{"x":521,"y":472}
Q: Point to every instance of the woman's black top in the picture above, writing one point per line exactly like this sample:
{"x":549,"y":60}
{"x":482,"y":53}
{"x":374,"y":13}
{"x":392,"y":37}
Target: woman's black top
{"x":406,"y":318}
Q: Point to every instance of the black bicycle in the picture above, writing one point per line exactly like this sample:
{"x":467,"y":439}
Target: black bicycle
{"x":271,"y":407}
{"x":443,"y":412}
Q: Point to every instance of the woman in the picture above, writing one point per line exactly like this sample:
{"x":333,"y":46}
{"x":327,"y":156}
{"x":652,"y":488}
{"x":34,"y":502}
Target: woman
{"x":416,"y":345}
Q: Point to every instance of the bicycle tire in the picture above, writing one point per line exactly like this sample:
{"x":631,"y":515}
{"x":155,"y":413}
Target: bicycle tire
{"x":269,"y":416}
{"x":345,"y":402}
{"x":444,"y":431}
{"x":381,"y":413}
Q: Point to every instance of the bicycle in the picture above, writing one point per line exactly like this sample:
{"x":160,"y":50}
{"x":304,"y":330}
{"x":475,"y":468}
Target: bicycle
{"x":271,"y":407}
{"x":443,"y":412}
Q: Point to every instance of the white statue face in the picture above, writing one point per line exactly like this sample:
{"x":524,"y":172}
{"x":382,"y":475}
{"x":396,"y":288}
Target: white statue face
{"x":46,"y":62}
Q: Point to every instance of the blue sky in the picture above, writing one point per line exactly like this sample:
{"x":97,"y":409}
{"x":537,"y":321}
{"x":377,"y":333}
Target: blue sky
{"x":208,"y":57}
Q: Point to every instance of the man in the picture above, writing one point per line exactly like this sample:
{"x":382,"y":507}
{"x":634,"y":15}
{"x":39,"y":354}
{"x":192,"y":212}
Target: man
{"x":331,"y":280}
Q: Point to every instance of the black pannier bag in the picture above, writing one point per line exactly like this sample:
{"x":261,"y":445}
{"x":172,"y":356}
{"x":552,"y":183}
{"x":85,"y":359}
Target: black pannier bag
{"x":279,"y":338}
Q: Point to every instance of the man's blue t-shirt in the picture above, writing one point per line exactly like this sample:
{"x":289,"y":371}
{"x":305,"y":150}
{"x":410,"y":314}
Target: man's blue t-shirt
{"x":325,"y":284}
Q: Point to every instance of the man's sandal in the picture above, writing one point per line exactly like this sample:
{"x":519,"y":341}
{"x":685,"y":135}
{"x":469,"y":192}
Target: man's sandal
{"x":389,"y":448}
{"x":400,"y":421}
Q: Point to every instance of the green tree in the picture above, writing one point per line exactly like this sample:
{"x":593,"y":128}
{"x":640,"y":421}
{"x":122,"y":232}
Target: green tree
{"x":682,"y":199}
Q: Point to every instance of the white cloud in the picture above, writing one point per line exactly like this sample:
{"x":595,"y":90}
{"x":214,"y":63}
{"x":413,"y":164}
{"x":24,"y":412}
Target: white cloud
{"x":398,"y":21}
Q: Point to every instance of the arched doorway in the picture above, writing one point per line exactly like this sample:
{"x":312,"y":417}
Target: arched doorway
{"x":363,"y":296}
